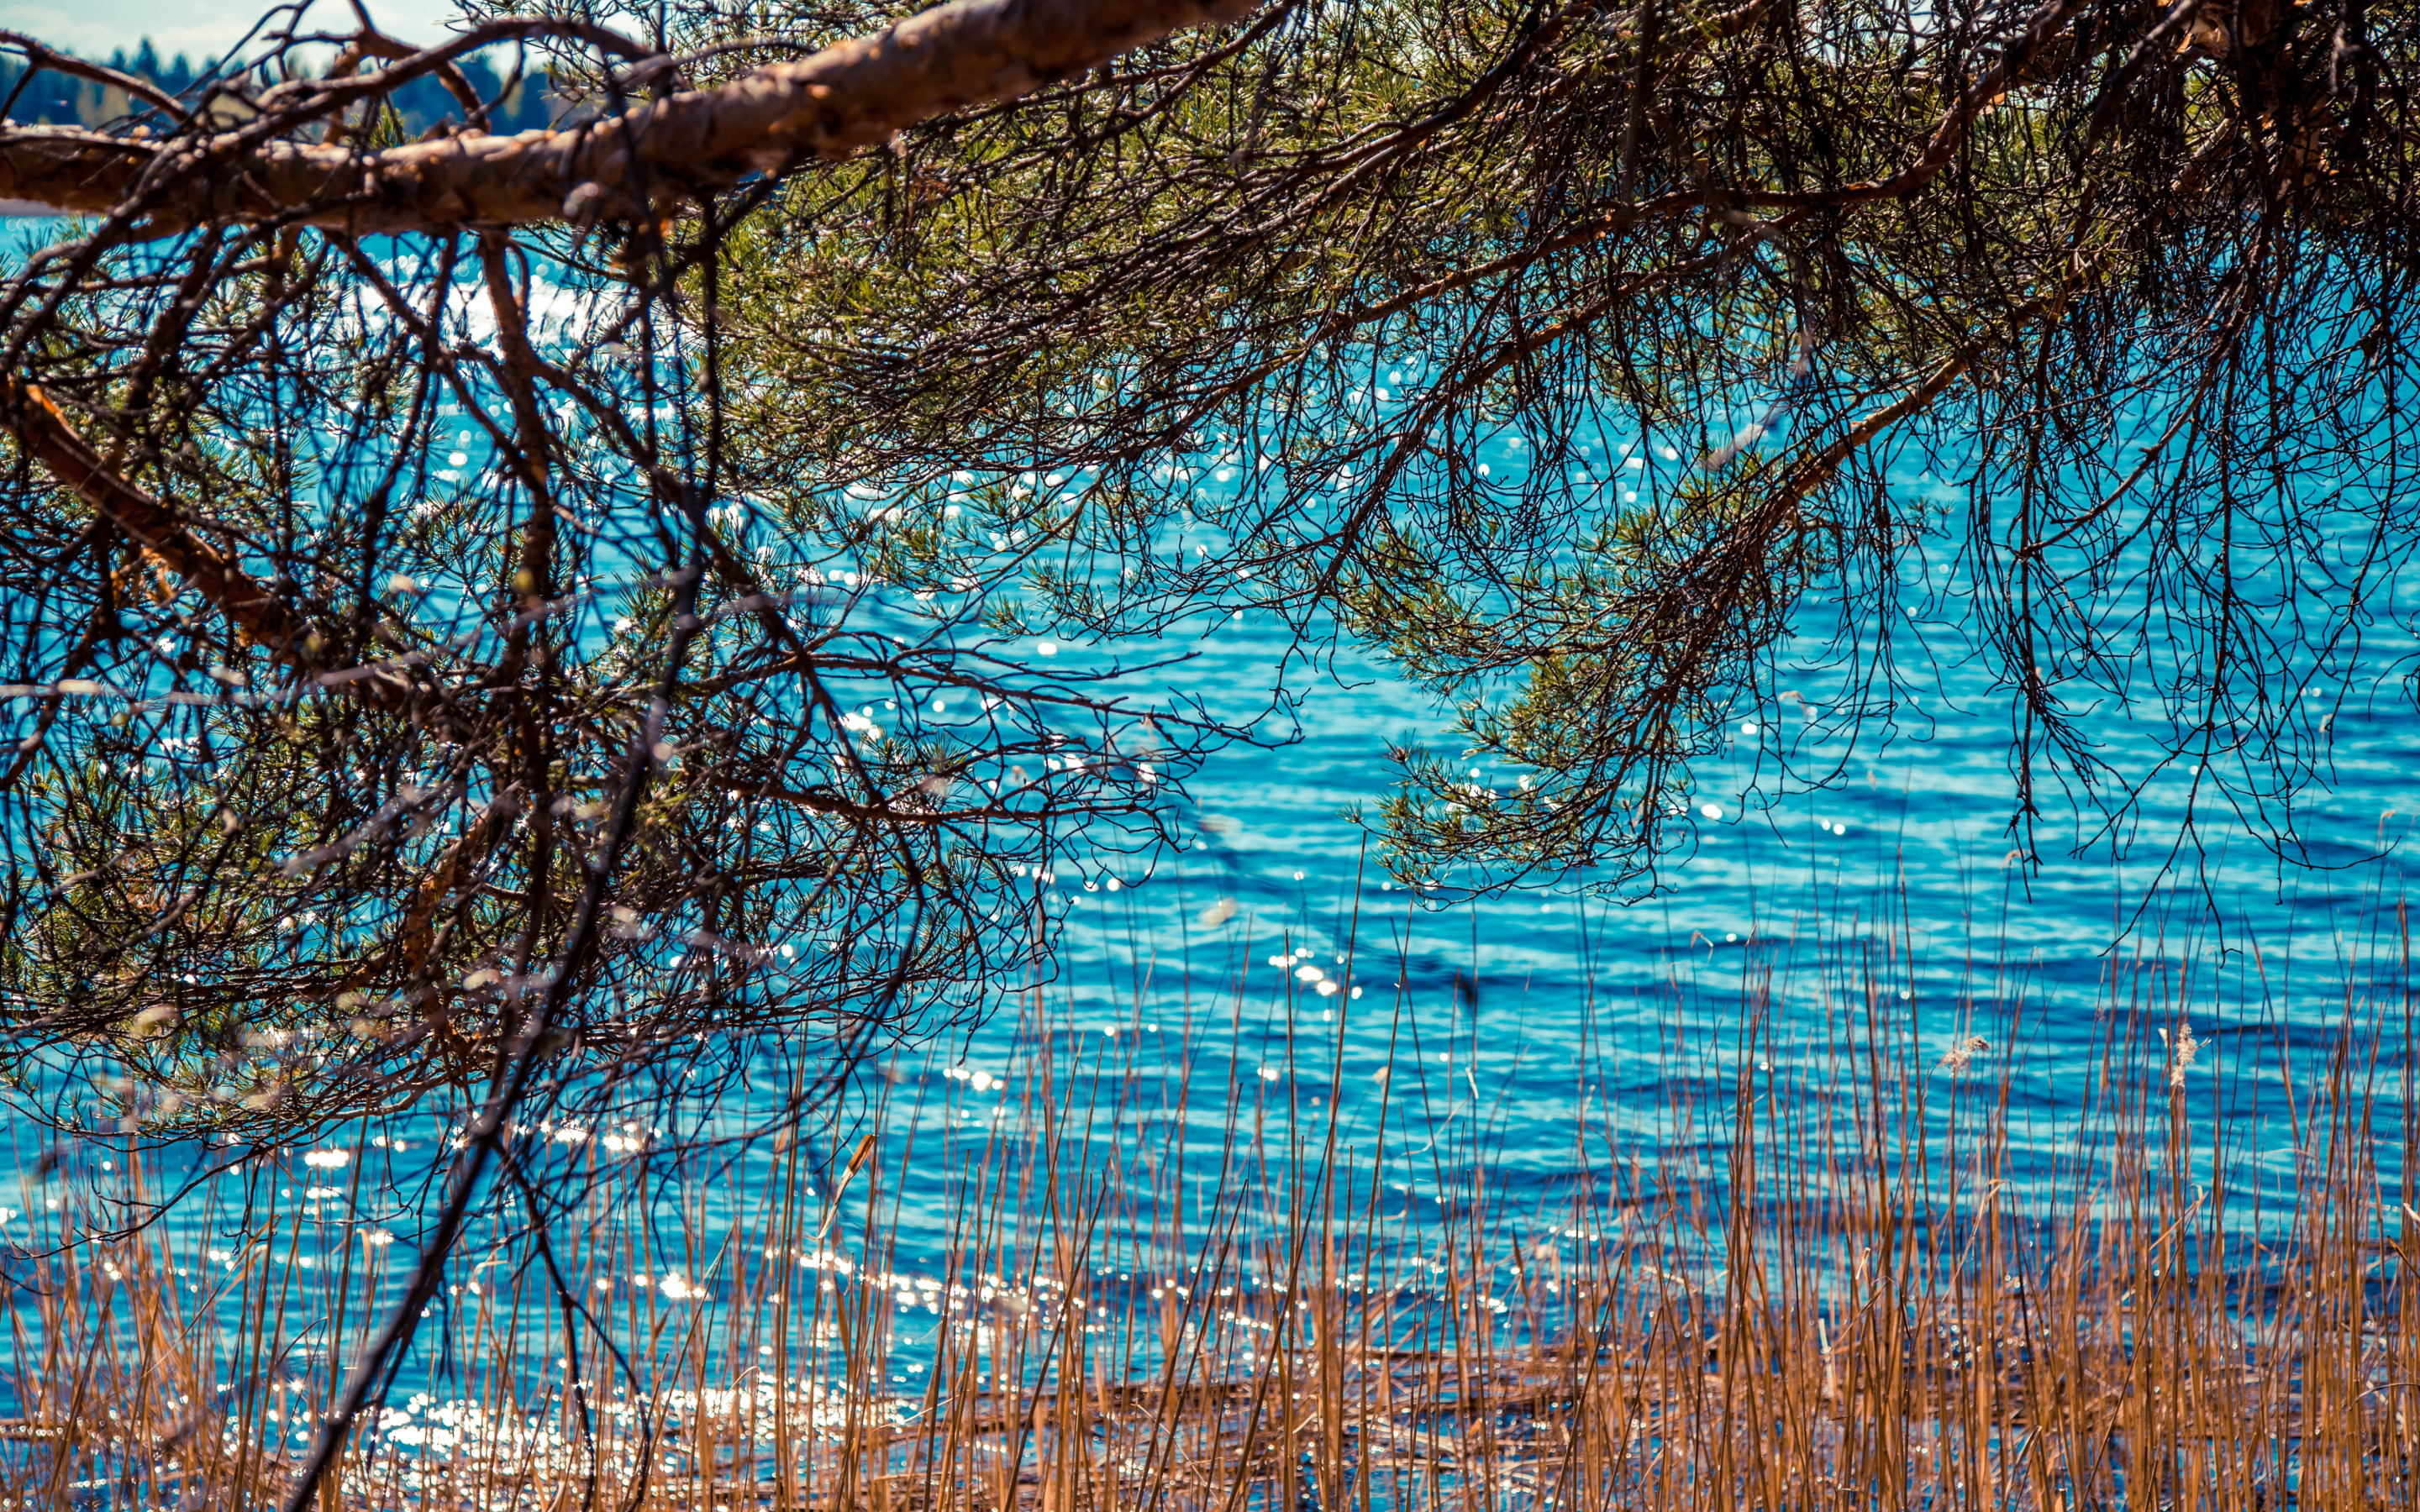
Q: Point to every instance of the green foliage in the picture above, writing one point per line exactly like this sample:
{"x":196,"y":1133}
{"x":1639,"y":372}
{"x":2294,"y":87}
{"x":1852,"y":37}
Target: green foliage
{"x":1616,"y":371}
{"x":1807,"y":266}
{"x":580,"y":754}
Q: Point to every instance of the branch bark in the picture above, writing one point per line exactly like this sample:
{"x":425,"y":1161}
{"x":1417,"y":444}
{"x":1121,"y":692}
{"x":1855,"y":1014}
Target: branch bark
{"x":625,"y":167}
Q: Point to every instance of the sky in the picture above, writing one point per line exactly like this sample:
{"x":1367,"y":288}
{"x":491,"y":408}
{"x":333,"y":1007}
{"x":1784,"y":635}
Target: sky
{"x":199,"y":28}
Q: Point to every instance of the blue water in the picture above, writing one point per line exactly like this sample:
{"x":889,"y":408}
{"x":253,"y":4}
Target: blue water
{"x":1911,"y":846}
{"x":1465,"y":1039}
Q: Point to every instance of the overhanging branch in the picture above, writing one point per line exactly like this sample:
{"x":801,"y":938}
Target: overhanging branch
{"x":263,"y":615}
{"x":630,"y":166}
{"x":251,"y":605}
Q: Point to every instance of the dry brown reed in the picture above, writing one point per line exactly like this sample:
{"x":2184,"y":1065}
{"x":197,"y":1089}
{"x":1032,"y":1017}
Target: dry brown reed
{"x":1850,"y":1279}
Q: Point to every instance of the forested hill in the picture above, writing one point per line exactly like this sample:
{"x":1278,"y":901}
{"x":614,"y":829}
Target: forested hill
{"x":48,"y":96}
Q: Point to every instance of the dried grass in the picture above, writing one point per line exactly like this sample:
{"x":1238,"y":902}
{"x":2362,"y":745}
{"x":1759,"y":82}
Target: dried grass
{"x":1840,"y":1285}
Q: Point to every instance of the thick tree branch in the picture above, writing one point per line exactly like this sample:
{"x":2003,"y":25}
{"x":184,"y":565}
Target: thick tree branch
{"x":632,"y":166}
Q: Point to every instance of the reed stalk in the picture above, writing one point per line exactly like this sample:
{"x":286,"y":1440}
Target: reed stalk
{"x":1826,"y":1266}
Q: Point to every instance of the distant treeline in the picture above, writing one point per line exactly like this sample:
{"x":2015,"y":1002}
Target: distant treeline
{"x":57,"y":99}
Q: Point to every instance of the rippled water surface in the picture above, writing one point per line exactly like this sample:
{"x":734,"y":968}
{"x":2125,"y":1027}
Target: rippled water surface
{"x":1901,"y":876}
{"x":1271,"y":970}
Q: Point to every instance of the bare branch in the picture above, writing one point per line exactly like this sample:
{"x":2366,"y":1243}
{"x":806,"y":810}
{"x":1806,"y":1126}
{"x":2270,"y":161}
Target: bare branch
{"x":42,"y":57}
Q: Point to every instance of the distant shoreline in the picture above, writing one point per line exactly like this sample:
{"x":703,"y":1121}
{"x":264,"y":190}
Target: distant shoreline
{"x":26,"y":206}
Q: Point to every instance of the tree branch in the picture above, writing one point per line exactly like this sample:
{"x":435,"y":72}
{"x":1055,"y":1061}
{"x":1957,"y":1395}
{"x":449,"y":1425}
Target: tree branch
{"x":264,"y":616}
{"x":39,"y":56}
{"x":47,"y":435}
{"x":627,"y":167}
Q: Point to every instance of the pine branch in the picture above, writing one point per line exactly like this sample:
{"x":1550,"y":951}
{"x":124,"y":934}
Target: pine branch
{"x":629,"y":167}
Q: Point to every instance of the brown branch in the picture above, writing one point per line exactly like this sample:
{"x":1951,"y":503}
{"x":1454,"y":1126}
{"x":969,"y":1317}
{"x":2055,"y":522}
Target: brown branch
{"x":39,"y":56}
{"x":849,"y":95}
{"x":46,"y":434}
{"x":2047,"y":23}
{"x":263,"y":616}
